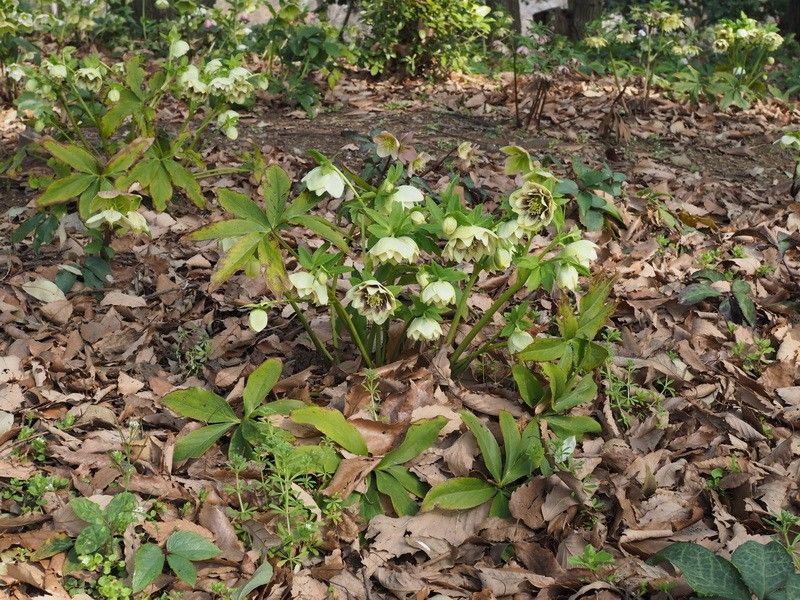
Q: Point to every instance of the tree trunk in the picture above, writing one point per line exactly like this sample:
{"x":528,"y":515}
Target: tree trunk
{"x":573,"y":21}
{"x":512,"y":8}
{"x":791,"y":19}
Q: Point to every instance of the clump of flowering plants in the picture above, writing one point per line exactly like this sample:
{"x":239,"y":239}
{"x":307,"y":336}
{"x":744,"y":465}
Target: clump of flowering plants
{"x":399,"y":267}
{"x":106,"y":121}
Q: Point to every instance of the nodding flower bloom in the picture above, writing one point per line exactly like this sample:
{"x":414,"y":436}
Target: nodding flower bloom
{"x":511,"y":232}
{"x":470,"y":243}
{"x":131,"y":220}
{"x":309,"y":287}
{"x":324,"y":179}
{"x":439,"y":294}
{"x":395,"y":251}
{"x":386,"y":145}
{"x":407,"y":196}
{"x":582,"y":252}
{"x":54,"y":70}
{"x":373,"y":301}
{"x":567,"y":277}
{"x":519,"y":340}
{"x":89,"y":78}
{"x":227,"y":122}
{"x":596,"y":42}
{"x":190,"y":84}
{"x":178,"y":48}
{"x":424,"y":329}
{"x":534,"y":205}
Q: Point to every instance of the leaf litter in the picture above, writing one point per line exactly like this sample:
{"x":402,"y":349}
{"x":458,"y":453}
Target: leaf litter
{"x":699,"y":439}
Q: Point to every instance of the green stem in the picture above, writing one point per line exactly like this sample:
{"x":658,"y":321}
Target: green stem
{"x":464,"y":362}
{"x":487,"y":317}
{"x":220,"y":171}
{"x":314,"y":339}
{"x":462,"y":303}
{"x":353,"y":332}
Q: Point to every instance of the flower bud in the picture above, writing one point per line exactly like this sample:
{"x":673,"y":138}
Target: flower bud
{"x":502,"y":259}
{"x":417,"y":217}
{"x":113,"y":95}
{"x":162,"y":4}
{"x":258,"y":320}
{"x":423,"y":278}
{"x":449,"y":225}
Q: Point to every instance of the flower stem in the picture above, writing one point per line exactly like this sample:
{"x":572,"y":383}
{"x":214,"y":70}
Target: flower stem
{"x":462,"y":303}
{"x":352,"y":329}
{"x":487,"y":317}
{"x":314,"y":339}
{"x":464,"y":362}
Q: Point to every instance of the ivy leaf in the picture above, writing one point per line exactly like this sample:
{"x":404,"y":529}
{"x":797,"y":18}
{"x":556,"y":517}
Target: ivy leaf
{"x":148,"y":562}
{"x":705,"y":572}
{"x":332,"y":424}
{"x":459,"y":493}
{"x":763,"y":567}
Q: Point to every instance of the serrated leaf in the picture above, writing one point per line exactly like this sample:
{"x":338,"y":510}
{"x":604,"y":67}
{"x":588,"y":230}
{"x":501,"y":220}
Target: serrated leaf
{"x":183,"y":568}
{"x":262,"y":576}
{"x":195,"y":443}
{"x":75,"y":156}
{"x":260,"y":382}
{"x":127,"y":155}
{"x":490,"y":449}
{"x":705,"y":572}
{"x":419,"y":437}
{"x":200,"y":404}
{"x":242,"y":206}
{"x":763,"y":567}
{"x":276,"y":185}
{"x":185,"y":180}
{"x":65,"y":189}
{"x":333,"y":425}
{"x":191,"y":545}
{"x":235,"y":259}
{"x":324,"y":229}
{"x":460,"y":493}
{"x":148,"y":563}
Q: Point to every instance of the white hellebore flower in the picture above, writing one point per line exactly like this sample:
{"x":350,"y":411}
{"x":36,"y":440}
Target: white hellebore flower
{"x":582,"y":252}
{"x":534,"y":205}
{"x":502,"y":259}
{"x":519,"y":340}
{"x":418,"y":217}
{"x":470,"y":243}
{"x":439,"y":294}
{"x":424,"y":329}
{"x":162,"y":4}
{"x":227,"y":122}
{"x":309,"y":287}
{"x":386,"y":145}
{"x":395,"y":250}
{"x":407,"y":196}
{"x":178,"y":48}
{"x":449,"y":225}
{"x":55,"y":71}
{"x":89,"y":78}
{"x":373,"y":300}
{"x":324,"y":179}
{"x":258,"y":320}
{"x":113,"y":95}
{"x":510,"y":231}
{"x":567,"y":277}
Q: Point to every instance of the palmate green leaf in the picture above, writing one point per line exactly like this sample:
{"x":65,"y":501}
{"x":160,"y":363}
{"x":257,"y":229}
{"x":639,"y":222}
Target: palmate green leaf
{"x":276,"y":185}
{"x":129,"y":154}
{"x":232,"y":228}
{"x":402,"y":503}
{"x":333,"y":425}
{"x":543,"y":350}
{"x":242,"y":206}
{"x":128,"y":104}
{"x":195,"y":443}
{"x":192,"y":546}
{"x":92,"y":538}
{"x":530,"y":388}
{"x":419,"y":437}
{"x":200,"y":404}
{"x":148,"y":563}
{"x":65,"y":189}
{"x":262,"y":576}
{"x":324,"y":229}
{"x":763,"y":567}
{"x":160,"y":187}
{"x":269,"y":253}
{"x":185,"y":180}
{"x":260,"y":382}
{"x":584,"y":392}
{"x":460,"y":493}
{"x":235,"y":259}
{"x":490,"y":449}
{"x":75,"y":156}
{"x":183,"y":568}
{"x":87,"y":510}
{"x":705,"y":572}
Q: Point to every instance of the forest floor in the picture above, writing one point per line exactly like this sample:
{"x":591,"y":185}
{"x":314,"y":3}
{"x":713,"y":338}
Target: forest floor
{"x":699,"y":437}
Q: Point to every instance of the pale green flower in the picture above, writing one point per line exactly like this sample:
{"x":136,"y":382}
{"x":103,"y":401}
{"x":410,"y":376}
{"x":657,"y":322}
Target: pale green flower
{"x":373,"y":301}
{"x":406,"y":196}
{"x":395,"y":251}
{"x":424,"y":329}
{"x":518,"y":341}
{"x":582,"y":252}
{"x":178,"y":48}
{"x":567,"y":277}
{"x":439,"y":293}
{"x":324,"y":179}
{"x":534,"y":205}
{"x":309,"y":287}
{"x":470,"y":243}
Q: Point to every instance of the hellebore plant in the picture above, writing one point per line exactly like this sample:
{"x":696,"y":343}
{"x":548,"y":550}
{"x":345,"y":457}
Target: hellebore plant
{"x":400,"y":262}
